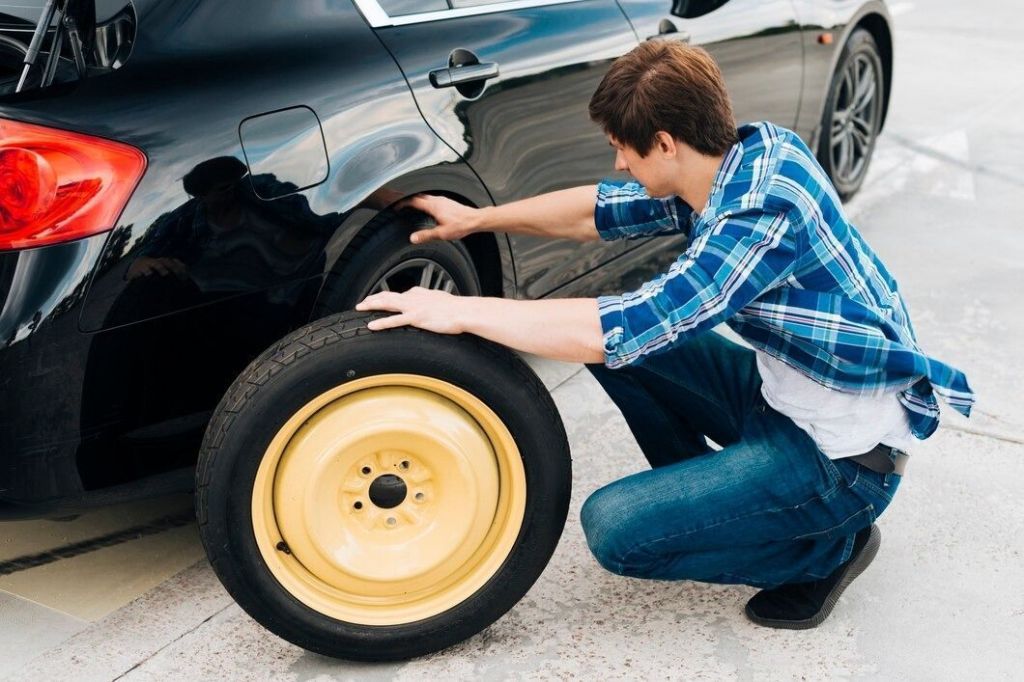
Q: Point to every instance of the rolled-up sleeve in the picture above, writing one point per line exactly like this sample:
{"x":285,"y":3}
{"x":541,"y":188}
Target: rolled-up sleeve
{"x":724,"y":269}
{"x":624,"y":211}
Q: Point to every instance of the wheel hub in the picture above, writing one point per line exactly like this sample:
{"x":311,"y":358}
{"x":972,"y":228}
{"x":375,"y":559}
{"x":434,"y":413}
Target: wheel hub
{"x":388,"y":491}
{"x":396,"y":496}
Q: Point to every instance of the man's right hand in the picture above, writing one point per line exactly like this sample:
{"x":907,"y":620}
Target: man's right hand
{"x":454,"y":220}
{"x":562,"y":214}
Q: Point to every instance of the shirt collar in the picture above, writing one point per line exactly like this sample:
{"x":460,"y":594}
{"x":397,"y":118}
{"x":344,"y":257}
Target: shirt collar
{"x":731,"y":162}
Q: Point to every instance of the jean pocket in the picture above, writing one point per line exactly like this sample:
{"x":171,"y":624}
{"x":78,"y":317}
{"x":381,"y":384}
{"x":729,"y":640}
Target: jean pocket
{"x":883,"y":486}
{"x":872,"y":487}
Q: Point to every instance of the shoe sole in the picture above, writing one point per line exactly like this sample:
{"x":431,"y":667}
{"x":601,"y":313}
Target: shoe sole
{"x":852,"y":570}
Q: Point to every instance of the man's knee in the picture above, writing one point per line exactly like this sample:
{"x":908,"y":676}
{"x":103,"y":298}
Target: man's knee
{"x":606,"y":521}
{"x":626,"y":541}
{"x":602,"y":519}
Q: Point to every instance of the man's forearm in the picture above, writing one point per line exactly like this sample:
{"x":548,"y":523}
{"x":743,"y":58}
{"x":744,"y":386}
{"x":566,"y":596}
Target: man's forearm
{"x":567,"y":329}
{"x":564,"y":214}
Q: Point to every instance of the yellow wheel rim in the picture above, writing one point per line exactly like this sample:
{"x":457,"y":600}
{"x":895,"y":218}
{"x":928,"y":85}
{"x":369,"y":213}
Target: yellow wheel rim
{"x":389,"y":499}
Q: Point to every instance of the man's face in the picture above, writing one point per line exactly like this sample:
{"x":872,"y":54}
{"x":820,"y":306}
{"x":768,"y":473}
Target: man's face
{"x":649,"y":171}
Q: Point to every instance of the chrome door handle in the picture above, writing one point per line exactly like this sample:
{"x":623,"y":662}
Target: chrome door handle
{"x":668,"y":31}
{"x":457,"y":75}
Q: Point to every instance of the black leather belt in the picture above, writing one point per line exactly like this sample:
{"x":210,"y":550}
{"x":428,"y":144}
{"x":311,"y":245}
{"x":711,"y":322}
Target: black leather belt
{"x":883,"y":459}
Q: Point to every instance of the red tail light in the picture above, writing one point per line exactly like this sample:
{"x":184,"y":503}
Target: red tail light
{"x":56,"y":186}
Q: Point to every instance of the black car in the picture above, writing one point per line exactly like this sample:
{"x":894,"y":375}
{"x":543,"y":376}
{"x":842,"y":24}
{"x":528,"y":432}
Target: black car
{"x":193,"y":194}
{"x":184,"y":183}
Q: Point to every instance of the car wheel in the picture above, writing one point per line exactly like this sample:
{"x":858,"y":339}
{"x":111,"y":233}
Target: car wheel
{"x":853,"y":114}
{"x":381,"y":258}
{"x":382,"y":495}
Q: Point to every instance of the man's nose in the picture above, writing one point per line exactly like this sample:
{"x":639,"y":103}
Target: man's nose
{"x":620,"y":163}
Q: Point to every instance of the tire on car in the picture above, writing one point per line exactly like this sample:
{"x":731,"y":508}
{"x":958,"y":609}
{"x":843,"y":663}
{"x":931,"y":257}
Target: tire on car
{"x":852,"y":118}
{"x":382,"y":495}
{"x":381,"y":257}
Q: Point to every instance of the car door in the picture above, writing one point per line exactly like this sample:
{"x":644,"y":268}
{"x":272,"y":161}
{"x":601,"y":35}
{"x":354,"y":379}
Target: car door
{"x":756,"y":43}
{"x":506,"y":85}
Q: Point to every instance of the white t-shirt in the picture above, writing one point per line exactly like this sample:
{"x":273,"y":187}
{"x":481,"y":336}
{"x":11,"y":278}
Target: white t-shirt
{"x":841,"y":424}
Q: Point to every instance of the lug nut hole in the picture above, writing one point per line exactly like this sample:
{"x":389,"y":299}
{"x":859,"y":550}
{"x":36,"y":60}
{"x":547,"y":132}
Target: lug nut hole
{"x":358,"y":505}
{"x":404,"y":464}
{"x":419,"y":497}
{"x":392,"y":520}
{"x":366,"y":471}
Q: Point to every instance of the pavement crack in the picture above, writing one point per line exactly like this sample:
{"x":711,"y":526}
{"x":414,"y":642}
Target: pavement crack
{"x":1005,"y":438}
{"x":174,"y":641}
{"x":566,"y":380}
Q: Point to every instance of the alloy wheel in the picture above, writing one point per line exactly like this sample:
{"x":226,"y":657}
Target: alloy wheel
{"x":855,"y":121}
{"x":421,"y":272}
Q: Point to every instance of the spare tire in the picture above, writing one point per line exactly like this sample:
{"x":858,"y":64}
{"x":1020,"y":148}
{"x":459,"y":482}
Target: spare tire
{"x":382,"y":495}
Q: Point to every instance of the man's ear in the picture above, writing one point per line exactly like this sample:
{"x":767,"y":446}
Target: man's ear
{"x":665,"y":143}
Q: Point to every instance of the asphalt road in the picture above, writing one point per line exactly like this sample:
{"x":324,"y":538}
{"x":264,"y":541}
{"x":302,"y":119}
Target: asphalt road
{"x":944,"y":600}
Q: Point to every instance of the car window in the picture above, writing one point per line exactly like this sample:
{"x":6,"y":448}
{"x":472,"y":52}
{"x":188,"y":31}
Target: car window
{"x":398,"y":12}
{"x":459,"y":4}
{"x":396,"y":8}
{"x":456,"y":4}
{"x":691,"y":9}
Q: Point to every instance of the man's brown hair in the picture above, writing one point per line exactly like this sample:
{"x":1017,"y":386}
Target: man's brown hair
{"x":663,"y":85}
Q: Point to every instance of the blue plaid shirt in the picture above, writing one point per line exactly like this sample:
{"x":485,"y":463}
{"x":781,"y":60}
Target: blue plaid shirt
{"x":773,"y":256}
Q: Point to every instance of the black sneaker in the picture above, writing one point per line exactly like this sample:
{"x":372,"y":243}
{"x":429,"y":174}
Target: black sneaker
{"x":799,"y":606}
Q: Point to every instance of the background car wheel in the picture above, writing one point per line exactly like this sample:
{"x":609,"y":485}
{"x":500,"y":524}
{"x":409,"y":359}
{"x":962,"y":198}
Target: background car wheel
{"x":382,"y":495}
{"x":853,"y":114}
{"x":381,"y":258}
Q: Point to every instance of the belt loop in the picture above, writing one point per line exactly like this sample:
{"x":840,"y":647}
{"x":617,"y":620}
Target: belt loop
{"x":893,"y":454}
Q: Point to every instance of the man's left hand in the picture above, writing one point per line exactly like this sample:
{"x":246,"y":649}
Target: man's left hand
{"x":430,"y":309}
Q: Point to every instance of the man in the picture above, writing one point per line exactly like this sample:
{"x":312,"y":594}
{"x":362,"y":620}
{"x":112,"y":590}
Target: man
{"x":812,"y":423}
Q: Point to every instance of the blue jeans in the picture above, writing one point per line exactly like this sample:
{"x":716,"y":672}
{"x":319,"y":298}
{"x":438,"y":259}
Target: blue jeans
{"x":768,"y":508}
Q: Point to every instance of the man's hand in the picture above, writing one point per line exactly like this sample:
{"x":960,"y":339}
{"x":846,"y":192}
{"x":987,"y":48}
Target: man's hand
{"x":454,"y":220}
{"x":562,"y":214}
{"x":430,"y":309}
